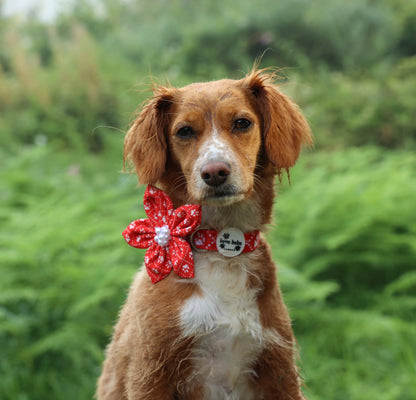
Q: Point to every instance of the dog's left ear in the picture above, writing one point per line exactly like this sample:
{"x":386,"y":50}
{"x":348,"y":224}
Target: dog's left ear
{"x":145,"y":142}
{"x":284,"y":127}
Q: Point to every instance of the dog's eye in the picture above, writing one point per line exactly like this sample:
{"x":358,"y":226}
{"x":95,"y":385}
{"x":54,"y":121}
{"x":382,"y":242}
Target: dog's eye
{"x":241,"y":124}
{"x":185,"y":132}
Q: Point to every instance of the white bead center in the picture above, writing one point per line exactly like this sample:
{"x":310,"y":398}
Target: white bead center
{"x":162,"y":236}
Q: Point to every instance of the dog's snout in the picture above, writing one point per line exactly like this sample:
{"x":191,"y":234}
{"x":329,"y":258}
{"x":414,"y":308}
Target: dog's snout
{"x":215,"y":173}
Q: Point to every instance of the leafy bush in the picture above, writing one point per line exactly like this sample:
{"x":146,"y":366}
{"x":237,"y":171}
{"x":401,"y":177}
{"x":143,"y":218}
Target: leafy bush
{"x":349,"y":218}
{"x":355,"y":111}
{"x":405,"y":14}
{"x":363,"y":350}
{"x":64,"y":81}
{"x":210,"y":39}
{"x":61,"y":97}
{"x":64,"y":270}
{"x":347,"y":228}
{"x":346,"y":224}
{"x":341,"y":36}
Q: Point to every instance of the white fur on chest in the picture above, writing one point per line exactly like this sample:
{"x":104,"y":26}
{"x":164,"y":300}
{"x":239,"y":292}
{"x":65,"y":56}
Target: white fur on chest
{"x":224,"y":319}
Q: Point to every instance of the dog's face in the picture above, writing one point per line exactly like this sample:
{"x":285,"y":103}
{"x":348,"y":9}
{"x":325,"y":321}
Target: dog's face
{"x":213,"y":138}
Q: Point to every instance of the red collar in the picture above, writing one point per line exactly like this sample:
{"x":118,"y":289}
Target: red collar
{"x":230,"y":242}
{"x":167,"y":233}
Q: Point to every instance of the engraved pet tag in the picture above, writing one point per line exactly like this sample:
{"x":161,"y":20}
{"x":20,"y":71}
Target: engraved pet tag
{"x":230,"y":242}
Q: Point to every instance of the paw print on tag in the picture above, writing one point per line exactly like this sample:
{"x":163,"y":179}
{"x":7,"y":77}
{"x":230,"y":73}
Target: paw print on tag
{"x":230,"y":242}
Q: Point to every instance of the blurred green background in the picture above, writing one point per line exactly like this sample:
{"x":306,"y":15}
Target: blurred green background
{"x":345,"y":230}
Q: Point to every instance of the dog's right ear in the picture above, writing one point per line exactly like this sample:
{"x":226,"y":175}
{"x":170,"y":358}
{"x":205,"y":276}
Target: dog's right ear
{"x":284,"y":127}
{"x":145,"y":142}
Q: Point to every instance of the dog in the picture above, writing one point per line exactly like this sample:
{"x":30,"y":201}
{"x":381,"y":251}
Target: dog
{"x":222,"y":330}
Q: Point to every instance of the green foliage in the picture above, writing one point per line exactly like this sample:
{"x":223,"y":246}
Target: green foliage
{"x":359,"y":111}
{"x":347,"y":270}
{"x":347,"y":353}
{"x":346,"y":227}
{"x":358,"y":229}
{"x":57,"y":91}
{"x":352,"y":60}
{"x":341,"y":35}
{"x":405,"y":12}
{"x":64,"y":270}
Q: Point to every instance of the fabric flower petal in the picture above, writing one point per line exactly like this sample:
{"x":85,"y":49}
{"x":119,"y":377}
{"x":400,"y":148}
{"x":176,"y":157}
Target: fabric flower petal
{"x":157,"y":205}
{"x":139,"y":234}
{"x":181,"y":258}
{"x":185,"y":220}
{"x":157,"y":262}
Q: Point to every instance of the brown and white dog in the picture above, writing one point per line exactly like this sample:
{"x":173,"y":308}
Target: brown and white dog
{"x":226,"y":333}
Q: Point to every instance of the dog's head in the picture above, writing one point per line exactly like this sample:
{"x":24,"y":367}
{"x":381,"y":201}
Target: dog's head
{"x":211,"y":140}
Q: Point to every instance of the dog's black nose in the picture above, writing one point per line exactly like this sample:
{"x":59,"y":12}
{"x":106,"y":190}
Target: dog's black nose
{"x":215,"y":173}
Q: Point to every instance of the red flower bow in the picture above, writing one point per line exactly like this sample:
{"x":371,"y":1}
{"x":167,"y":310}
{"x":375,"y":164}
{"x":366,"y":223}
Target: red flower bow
{"x":163,"y":233}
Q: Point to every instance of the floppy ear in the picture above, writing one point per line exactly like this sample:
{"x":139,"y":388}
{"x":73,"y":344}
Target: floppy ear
{"x":284,"y":127}
{"x":145,"y":142}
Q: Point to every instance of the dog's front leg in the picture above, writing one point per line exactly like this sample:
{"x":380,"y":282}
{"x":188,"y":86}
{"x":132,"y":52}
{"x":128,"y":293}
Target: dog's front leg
{"x":134,"y":378}
{"x":276,"y":371}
